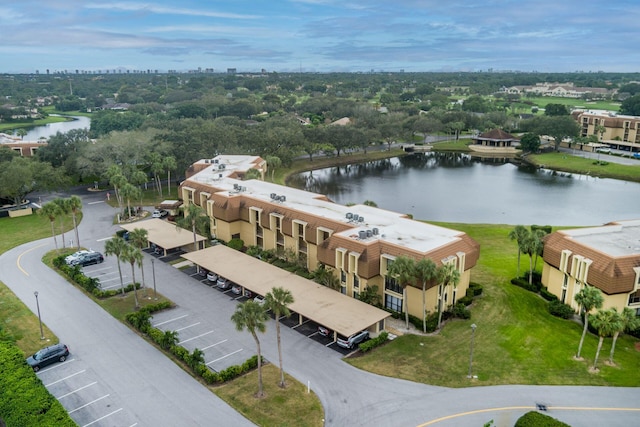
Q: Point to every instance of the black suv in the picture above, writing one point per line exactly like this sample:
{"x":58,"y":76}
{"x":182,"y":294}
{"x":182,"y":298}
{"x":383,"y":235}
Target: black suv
{"x":88,"y":259}
{"x":48,"y":355}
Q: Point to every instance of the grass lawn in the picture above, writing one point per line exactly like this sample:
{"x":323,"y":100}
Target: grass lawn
{"x":291,"y":406}
{"x":39,"y":227}
{"x":542,"y":101}
{"x":17,"y":125}
{"x":581,"y":165}
{"x":516,"y":340}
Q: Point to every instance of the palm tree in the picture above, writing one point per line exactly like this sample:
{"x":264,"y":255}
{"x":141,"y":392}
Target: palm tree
{"x":195,"y":219}
{"x":588,"y":298}
{"x":628,"y":322}
{"x":252,"y":316}
{"x":519,"y":234}
{"x":278,"y":301}
{"x":116,"y":246}
{"x":156,"y":167}
{"x":118,"y":180}
{"x":532,"y":246}
{"x":138,"y":238}
{"x":75,"y":205}
{"x":447,"y":274}
{"x":128,"y":192}
{"x":169,"y":163}
{"x":425,"y":271}
{"x":51,"y":210}
{"x":402,"y":269}
{"x":64,"y":210}
{"x":606,"y":322}
{"x":133,"y":256}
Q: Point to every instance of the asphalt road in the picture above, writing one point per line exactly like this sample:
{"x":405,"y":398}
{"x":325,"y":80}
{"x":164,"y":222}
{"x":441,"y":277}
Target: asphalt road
{"x":145,"y":388}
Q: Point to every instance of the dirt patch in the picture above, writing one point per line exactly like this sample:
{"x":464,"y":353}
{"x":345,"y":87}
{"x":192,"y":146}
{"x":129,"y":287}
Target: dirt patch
{"x":637,"y":346}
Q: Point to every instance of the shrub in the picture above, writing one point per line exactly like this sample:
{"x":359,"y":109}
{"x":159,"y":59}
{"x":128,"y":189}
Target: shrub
{"x":559,"y":309}
{"x":375,"y":342}
{"x":236,"y":244}
{"x":461,"y":311}
{"x":536,"y":419}
{"x":524,"y":283}
{"x":466,"y":300}
{"x":180,"y":352}
{"x":477,"y":288}
{"x":547,"y":295}
{"x":210,"y":377}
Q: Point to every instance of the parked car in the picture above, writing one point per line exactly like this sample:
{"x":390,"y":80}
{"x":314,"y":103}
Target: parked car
{"x":605,"y":150}
{"x":212,"y":277}
{"x":325,"y":332}
{"x":88,"y":259}
{"x":248,"y":293}
{"x":74,"y":256}
{"x":48,"y":355}
{"x":236,"y":289}
{"x":223,"y":283}
{"x":259,"y":299}
{"x":159,"y":213}
{"x":636,"y":155}
{"x":353,"y":340}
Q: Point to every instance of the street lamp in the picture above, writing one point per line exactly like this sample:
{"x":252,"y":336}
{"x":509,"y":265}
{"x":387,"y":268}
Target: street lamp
{"x":39,"y":318}
{"x":473,"y":332}
{"x":153,"y":269}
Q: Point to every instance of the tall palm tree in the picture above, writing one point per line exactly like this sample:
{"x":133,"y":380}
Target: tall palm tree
{"x":278,"y":301}
{"x":606,"y":322}
{"x":115,"y":247}
{"x":128,"y":192}
{"x":252,"y":316}
{"x":425,"y":271}
{"x":156,"y":167}
{"x":519,"y":234}
{"x":138,"y":237}
{"x":51,"y":211}
{"x":75,"y":205}
{"x":588,"y":298}
{"x":628,"y":322}
{"x":169,"y":163}
{"x":133,"y":256}
{"x":532,"y":246}
{"x":63,"y":205}
{"x":402,"y":269}
{"x":447,"y":274}
{"x":117,"y":180}
{"x":195,"y":219}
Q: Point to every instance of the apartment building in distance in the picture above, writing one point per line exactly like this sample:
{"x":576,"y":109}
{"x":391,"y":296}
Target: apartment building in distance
{"x":356,"y":243}
{"x":607,"y":257}
{"x":618,"y":131}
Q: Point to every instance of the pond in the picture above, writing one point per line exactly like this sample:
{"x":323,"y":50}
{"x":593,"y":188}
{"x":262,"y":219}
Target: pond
{"x":48,"y":130}
{"x":456,"y":187}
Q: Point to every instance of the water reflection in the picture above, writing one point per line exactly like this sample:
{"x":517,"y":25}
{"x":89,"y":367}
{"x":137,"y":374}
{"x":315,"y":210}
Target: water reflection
{"x":48,"y":130}
{"x":458,"y":187}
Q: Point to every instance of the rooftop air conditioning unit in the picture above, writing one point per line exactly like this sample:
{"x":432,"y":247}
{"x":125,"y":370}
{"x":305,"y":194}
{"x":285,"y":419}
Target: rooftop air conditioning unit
{"x":206,"y":160}
{"x":273,"y":196}
{"x":369,"y":233}
{"x":349,"y":215}
{"x":361,"y":219}
{"x":220,"y":167}
{"x":243,"y":188}
{"x":214,"y":161}
{"x":283,"y":198}
{"x":362,"y":234}
{"x":355,"y":217}
{"x":235,"y":187}
{"x":220,"y":175}
{"x":375,"y":231}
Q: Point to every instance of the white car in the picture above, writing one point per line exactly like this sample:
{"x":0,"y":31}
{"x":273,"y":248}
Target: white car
{"x":212,"y":277}
{"x":159,"y":213}
{"x":259,"y":299}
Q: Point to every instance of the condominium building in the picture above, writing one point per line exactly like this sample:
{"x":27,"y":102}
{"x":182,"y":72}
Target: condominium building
{"x":607,"y":257}
{"x":618,"y":131}
{"x":356,"y":243}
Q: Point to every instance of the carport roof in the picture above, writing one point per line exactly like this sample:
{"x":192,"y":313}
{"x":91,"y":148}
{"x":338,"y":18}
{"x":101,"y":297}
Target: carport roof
{"x":163,"y":233}
{"x":325,"y":306}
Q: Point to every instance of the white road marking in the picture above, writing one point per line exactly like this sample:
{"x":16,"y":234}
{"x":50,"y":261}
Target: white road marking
{"x":104,"y":238}
{"x":90,"y":403}
{"x":95,"y":203}
{"x":102,"y":418}
{"x":170,"y":320}
{"x":223,"y":357}
{"x":66,"y":378}
{"x":196,"y":337}
{"x":77,"y":390}
{"x":213,"y":345}
{"x":187,"y":327}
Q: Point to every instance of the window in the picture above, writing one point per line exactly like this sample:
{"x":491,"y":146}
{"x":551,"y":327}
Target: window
{"x":392,"y":303}
{"x":356,"y":281}
{"x":356,"y":295}
{"x":391,"y":284}
{"x":343,"y":276}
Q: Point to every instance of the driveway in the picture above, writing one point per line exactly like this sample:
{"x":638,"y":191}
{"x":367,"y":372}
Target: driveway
{"x":151,"y":390}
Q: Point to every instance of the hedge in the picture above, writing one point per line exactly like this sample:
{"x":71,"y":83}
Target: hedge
{"x":524,"y":283}
{"x":536,"y":419}
{"x":544,"y":292}
{"x":559,"y":309}
{"x":375,"y":342}
{"x":24,"y":400}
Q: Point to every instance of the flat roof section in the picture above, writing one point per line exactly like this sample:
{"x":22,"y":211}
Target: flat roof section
{"x":617,"y":239}
{"x":163,"y":233}
{"x":330,"y":308}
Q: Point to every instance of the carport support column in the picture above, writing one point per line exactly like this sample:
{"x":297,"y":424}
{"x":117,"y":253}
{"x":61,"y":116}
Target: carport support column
{"x":153,"y":269}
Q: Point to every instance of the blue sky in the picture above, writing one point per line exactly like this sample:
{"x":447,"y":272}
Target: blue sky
{"x":320,"y":35}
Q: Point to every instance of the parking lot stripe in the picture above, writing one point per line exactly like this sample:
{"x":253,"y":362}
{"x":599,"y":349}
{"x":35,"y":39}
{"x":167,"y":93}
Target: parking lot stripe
{"x":223,"y":357}
{"x":100,"y":269}
{"x":90,"y":403}
{"x":213,"y":345}
{"x":104,"y":238}
{"x":76,"y":390}
{"x":187,"y":327}
{"x":170,"y":320}
{"x":51,"y":368}
{"x":196,"y":337}
{"x":66,"y":378}
{"x":102,"y":418}
{"x":306,"y":321}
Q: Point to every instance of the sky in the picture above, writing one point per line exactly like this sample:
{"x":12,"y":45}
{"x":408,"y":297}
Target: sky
{"x":320,"y":35}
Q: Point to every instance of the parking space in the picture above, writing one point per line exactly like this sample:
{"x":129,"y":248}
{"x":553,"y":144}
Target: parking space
{"x":220,"y":350}
{"x":88,"y":402}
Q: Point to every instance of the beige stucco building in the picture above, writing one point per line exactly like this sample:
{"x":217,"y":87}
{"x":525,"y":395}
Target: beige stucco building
{"x":356,"y":243}
{"x":619,"y":131}
{"x":607,"y":257}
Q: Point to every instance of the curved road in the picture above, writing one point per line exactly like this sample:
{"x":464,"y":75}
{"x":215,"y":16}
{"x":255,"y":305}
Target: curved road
{"x":149,"y":389}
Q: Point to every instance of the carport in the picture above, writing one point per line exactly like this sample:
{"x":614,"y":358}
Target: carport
{"x":166,"y":235}
{"x":342,"y":314}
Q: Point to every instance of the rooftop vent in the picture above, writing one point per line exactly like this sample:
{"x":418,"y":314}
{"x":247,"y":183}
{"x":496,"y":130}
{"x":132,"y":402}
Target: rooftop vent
{"x":374,"y":231}
{"x":355,"y":217}
{"x":283,"y":198}
{"x":206,"y":160}
{"x":235,"y":187}
{"x":349,"y":215}
{"x":273,"y":196}
{"x":362,"y":234}
{"x":369,"y":233}
{"x":361,"y":219}
{"x":214,"y":161}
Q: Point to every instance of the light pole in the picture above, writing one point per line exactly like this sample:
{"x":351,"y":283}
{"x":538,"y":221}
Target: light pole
{"x":153,"y":270}
{"x":473,"y":332}
{"x":39,"y":318}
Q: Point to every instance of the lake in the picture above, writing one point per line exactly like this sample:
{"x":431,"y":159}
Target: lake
{"x":48,"y":130}
{"x":456,"y":187}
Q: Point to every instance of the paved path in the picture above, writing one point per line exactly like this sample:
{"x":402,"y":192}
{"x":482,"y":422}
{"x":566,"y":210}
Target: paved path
{"x":162,"y":392}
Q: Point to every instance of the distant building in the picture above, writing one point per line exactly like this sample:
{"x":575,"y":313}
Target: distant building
{"x":620,"y":132}
{"x":564,"y":90}
{"x":25,"y":148}
{"x":231,"y":71}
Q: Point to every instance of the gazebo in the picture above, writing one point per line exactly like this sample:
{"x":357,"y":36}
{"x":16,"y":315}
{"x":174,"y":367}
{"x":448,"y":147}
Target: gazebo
{"x":495,"y":138}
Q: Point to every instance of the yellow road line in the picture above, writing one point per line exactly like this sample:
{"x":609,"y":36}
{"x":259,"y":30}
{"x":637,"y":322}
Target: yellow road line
{"x":26,"y":252}
{"x":509,"y":408}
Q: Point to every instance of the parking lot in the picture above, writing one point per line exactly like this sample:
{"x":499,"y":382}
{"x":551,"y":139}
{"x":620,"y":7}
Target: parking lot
{"x":89,"y":402}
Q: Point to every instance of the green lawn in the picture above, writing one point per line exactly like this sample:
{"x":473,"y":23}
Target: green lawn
{"x":584,"y":166}
{"x":542,"y":101}
{"x":516,"y":340}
